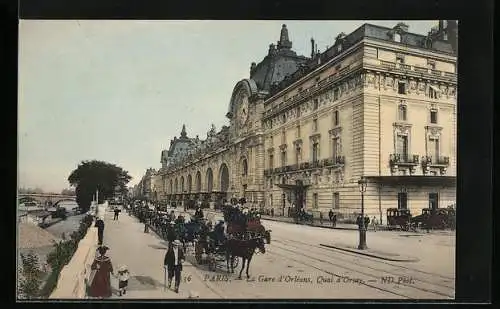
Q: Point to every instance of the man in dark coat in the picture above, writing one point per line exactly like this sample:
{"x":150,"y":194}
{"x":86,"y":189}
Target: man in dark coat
{"x":117,"y":212}
{"x":359,"y":221}
{"x":330,"y":215}
{"x":199,"y":213}
{"x":366,"y":222}
{"x":173,"y":263}
{"x":100,"y":231}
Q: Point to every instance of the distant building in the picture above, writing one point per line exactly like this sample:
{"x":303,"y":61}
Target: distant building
{"x":380,"y":103}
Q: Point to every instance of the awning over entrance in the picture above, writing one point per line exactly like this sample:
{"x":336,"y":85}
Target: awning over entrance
{"x":291,"y":187}
{"x":448,"y":181}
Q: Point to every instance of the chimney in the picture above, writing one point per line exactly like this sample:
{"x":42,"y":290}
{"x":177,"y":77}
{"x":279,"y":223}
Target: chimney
{"x":312,"y":48}
{"x":252,"y":67}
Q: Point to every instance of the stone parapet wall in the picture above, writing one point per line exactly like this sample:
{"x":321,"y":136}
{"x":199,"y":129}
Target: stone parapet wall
{"x":73,"y":277}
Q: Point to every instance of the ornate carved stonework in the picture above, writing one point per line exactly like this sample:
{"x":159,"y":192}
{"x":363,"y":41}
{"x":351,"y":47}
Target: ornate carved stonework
{"x":315,"y":137}
{"x":343,"y":88}
{"x":358,"y":80}
{"x":451,"y":91}
{"x":402,"y":127}
{"x":335,"y":131}
{"x":369,"y":80}
{"x":413,"y":86}
{"x":270,"y":150}
{"x":389,"y":81}
{"x":421,"y":86}
{"x":382,"y":82}
{"x":283,"y":147}
{"x":328,"y":95}
{"x":434,"y":130}
{"x":351,"y":84}
{"x":443,"y":89}
{"x":297,"y":143}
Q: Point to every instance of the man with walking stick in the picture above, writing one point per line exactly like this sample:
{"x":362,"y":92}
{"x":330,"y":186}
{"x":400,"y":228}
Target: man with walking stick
{"x":172,"y":264}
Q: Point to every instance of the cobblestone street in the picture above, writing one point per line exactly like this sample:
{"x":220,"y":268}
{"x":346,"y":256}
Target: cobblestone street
{"x":295,"y":265}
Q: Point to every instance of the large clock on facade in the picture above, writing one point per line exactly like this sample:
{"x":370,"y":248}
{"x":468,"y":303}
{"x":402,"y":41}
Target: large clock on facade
{"x":242,"y":109}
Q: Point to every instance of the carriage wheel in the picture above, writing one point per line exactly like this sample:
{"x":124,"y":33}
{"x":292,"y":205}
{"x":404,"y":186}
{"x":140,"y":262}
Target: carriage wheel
{"x":212,"y":263}
{"x":198,"y":250}
{"x":267,"y":236}
{"x":235,"y":262}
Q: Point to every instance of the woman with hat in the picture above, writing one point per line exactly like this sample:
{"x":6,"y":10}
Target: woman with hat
{"x":173,"y":263}
{"x":100,"y":285}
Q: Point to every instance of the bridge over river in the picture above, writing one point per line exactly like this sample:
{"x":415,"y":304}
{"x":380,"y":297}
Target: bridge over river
{"x":45,"y":199}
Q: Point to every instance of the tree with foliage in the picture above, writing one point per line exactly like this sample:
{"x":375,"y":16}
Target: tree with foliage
{"x":69,"y":192}
{"x":30,"y":191}
{"x":31,"y":276}
{"x":91,"y":176}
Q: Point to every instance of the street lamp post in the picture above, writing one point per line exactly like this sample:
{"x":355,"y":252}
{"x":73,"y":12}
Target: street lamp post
{"x":184,"y":201}
{"x":362,"y":228}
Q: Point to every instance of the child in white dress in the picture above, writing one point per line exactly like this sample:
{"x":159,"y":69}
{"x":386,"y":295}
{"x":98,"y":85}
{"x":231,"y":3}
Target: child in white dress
{"x":123,"y":276}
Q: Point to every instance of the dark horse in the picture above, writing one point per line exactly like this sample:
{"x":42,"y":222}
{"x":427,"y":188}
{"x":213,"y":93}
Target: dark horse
{"x":244,"y":249}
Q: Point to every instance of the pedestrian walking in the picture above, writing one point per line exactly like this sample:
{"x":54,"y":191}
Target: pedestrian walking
{"x":334,"y":220}
{"x":330,"y":216}
{"x":117,"y":212}
{"x":272,"y":212}
{"x":99,"y":223}
{"x":359,"y":222}
{"x":173,"y":264}
{"x":366,"y":222}
{"x":123,"y":276}
{"x":321,"y":218}
{"x":100,"y":283}
{"x":374,"y":224}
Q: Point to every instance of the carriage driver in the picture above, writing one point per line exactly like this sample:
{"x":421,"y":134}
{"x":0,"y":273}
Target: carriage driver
{"x":220,"y":237}
{"x":199,"y":213}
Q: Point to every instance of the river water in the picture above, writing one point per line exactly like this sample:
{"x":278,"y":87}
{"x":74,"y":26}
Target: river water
{"x":69,"y":225}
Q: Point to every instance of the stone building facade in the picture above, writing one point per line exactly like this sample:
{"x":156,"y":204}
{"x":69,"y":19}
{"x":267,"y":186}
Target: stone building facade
{"x":146,"y":188}
{"x":380,"y":104}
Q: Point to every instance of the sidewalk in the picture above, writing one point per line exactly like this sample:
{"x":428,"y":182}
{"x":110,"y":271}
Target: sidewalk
{"x":326,"y":223}
{"x":143,"y":253}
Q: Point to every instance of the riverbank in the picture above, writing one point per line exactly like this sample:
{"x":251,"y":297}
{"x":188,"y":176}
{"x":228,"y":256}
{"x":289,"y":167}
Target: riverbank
{"x":65,"y":227}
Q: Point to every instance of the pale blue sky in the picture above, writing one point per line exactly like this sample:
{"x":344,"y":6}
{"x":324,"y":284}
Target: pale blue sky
{"x":119,"y":90}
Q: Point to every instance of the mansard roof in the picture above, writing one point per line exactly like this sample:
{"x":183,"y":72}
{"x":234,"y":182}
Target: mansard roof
{"x":428,"y":42}
{"x":280,"y":61}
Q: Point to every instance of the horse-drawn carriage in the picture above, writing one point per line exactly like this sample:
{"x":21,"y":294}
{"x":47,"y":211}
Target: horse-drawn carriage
{"x":227,"y":250}
{"x":398,"y":218}
{"x":440,"y":218}
{"x":301,"y":216}
{"x":243,"y":231}
{"x":245,"y":226}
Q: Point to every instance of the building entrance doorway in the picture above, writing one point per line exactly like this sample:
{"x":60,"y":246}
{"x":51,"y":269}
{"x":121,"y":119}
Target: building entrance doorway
{"x":433,"y":201}
{"x":298,"y":191}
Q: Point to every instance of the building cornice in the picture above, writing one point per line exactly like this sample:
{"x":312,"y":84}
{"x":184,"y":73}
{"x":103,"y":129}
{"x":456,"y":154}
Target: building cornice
{"x":413,"y":50}
{"x":314,"y":72}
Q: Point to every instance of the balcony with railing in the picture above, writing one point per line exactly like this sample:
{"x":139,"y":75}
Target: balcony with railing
{"x":403,"y":160}
{"x":440,"y":162}
{"x":388,"y":65}
{"x":333,"y":162}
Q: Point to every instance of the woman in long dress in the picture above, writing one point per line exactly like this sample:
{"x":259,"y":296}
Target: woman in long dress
{"x":101,"y":283}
